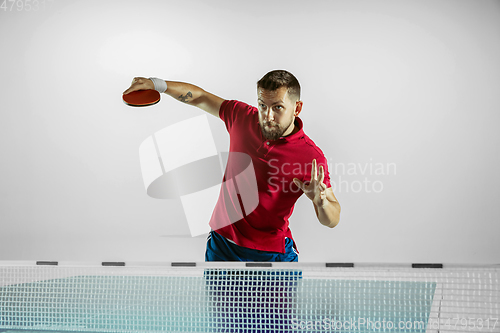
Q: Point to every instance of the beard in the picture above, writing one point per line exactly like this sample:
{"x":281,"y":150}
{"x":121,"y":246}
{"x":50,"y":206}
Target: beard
{"x":272,"y":130}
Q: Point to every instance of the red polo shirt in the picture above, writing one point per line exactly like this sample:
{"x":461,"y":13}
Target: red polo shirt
{"x":265,"y":225}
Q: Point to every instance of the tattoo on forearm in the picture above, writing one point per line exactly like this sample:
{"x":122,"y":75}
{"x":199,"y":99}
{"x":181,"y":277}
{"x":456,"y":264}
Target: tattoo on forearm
{"x":184,"y":98}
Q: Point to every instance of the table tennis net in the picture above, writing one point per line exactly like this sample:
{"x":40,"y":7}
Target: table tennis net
{"x":291,"y":298}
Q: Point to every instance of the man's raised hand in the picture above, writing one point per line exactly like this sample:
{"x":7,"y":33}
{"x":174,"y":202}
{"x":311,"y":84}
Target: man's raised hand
{"x":315,"y":189}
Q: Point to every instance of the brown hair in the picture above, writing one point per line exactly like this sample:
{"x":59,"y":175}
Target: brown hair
{"x":280,"y":78}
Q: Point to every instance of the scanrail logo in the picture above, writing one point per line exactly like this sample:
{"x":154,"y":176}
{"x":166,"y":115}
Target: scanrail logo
{"x":366,"y":177}
{"x":351,"y":177}
{"x":486,"y":324}
{"x":181,"y":161}
{"x":356,"y":324}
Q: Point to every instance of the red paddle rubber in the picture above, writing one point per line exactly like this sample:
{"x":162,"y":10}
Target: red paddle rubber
{"x":142,"y":98}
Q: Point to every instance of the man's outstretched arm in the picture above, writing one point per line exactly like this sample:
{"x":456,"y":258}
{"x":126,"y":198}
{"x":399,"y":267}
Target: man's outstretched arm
{"x":184,"y":92}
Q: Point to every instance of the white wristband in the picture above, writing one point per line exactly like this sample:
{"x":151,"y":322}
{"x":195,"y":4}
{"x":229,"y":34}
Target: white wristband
{"x":160,"y":85}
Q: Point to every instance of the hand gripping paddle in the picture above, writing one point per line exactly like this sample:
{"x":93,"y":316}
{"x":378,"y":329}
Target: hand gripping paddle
{"x":142,"y":98}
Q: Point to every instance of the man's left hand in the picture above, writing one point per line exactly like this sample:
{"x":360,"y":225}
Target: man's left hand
{"x":315,"y":189}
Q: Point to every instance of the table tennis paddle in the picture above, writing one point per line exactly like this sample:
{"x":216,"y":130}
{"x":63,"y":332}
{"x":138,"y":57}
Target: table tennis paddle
{"x":142,"y":98}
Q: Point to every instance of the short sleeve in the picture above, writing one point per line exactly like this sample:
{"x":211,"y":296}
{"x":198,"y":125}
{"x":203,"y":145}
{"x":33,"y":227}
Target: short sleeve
{"x":231,"y":111}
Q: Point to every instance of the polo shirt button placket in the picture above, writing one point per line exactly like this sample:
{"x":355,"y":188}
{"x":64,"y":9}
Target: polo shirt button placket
{"x":266,"y":148}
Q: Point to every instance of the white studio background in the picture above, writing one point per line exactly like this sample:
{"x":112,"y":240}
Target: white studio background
{"x":402,"y":97}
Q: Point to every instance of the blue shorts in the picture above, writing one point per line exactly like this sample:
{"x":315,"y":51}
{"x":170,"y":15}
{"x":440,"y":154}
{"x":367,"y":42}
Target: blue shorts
{"x":220,"y":249}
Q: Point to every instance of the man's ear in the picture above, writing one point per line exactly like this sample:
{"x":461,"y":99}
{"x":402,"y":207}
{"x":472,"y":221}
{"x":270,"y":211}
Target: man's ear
{"x":298,"y":108}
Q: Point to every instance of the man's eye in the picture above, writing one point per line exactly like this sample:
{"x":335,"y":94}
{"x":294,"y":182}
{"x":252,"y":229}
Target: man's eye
{"x":278,"y":107}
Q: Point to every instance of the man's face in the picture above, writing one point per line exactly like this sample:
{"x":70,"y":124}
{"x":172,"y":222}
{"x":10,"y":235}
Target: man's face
{"x":276,"y":112}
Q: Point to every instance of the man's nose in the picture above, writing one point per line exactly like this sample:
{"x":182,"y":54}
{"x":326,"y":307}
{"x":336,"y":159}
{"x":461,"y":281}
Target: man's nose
{"x":270,"y":116}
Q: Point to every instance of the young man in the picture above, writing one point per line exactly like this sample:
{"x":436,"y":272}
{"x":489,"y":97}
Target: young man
{"x":285,"y":161}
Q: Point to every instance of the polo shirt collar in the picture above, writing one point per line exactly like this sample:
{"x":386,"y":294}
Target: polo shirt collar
{"x":295,"y":136}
